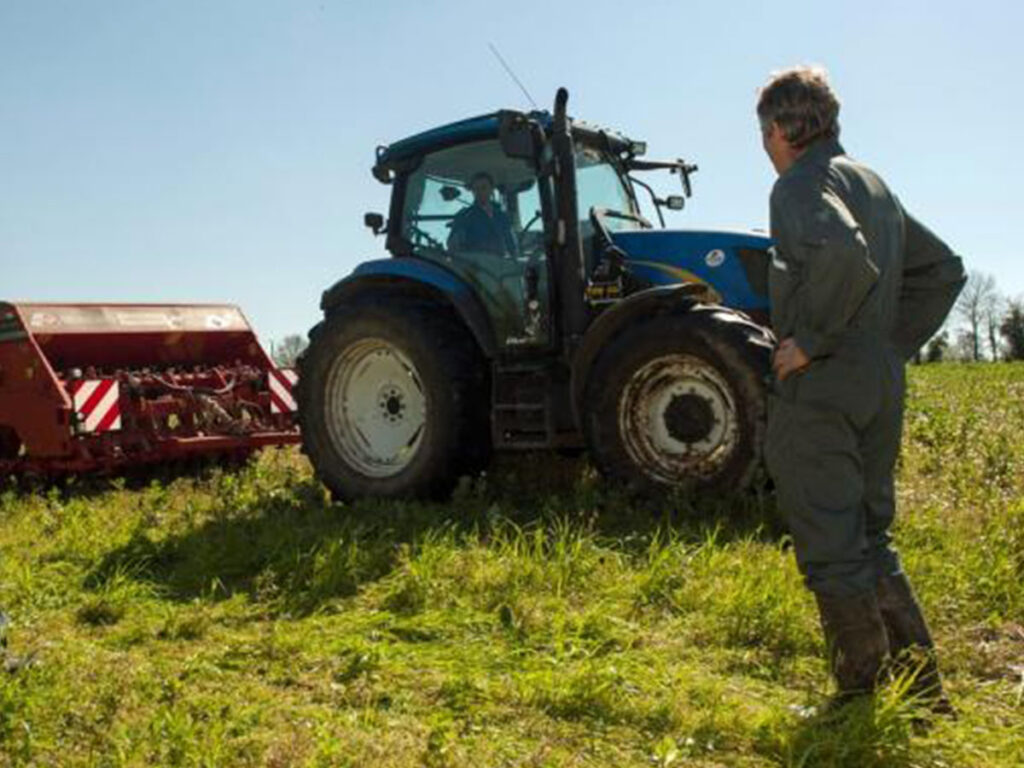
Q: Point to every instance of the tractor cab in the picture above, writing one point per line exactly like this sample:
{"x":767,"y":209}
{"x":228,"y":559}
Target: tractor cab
{"x":528,"y":305}
{"x":479,"y":214}
{"x":537,"y":201}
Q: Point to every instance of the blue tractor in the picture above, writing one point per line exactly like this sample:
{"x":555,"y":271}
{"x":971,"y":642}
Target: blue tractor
{"x":528,"y":305}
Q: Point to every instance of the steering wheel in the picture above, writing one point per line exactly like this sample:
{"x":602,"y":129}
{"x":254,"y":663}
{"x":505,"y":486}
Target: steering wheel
{"x":532,"y":221}
{"x":600,"y":228}
{"x":427,"y":237}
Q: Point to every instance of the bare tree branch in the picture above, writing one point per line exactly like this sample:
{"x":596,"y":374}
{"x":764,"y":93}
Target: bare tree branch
{"x":973,"y":308}
{"x":287,"y":351}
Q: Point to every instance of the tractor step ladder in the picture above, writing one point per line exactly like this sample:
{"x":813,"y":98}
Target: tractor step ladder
{"x":521,"y":408}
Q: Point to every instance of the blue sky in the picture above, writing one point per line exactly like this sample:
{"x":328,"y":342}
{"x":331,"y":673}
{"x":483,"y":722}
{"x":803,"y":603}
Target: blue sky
{"x":207,"y":151}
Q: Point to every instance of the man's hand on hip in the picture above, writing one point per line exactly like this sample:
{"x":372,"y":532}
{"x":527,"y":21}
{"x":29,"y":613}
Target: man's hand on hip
{"x":789,"y":359}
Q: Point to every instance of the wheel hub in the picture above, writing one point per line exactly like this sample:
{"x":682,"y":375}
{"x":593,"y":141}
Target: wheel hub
{"x":678,"y":419}
{"x":689,"y":418}
{"x":392,"y":404}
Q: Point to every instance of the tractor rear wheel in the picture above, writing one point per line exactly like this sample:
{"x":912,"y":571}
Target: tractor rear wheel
{"x":678,"y":401}
{"x":392,"y":401}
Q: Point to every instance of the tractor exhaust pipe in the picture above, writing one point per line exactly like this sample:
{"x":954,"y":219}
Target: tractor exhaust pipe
{"x":570,"y":265}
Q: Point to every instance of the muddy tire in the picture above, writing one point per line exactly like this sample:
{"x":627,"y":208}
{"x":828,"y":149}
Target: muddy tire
{"x":679,"y":401}
{"x":392,"y":400}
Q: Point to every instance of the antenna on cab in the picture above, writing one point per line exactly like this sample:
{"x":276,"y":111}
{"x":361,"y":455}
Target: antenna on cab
{"x":512,"y":74}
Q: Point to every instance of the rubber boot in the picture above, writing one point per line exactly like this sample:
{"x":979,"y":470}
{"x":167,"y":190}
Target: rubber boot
{"x":910,"y":642}
{"x":857,"y":643}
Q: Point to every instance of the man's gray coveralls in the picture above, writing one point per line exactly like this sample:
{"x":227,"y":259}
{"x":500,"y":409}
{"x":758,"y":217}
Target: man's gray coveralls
{"x":859,"y":285}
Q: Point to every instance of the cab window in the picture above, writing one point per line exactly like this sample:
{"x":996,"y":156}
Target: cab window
{"x":471,"y":200}
{"x":599,"y":185}
{"x":476,"y":211}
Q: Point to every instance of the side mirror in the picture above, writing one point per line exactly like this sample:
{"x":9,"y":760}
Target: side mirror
{"x":684,"y":173}
{"x":519,"y":136}
{"x":675,"y":202}
{"x":374,"y":221}
{"x":449,"y":193}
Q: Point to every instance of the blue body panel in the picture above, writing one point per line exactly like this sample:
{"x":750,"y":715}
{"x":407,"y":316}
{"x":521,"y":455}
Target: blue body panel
{"x":464,"y":299}
{"x":413,"y":269}
{"x":471,"y":129}
{"x":665,"y":256}
{"x":660,"y":256}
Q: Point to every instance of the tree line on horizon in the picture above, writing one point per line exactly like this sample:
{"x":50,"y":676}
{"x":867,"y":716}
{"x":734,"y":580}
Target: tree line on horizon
{"x":985,"y":325}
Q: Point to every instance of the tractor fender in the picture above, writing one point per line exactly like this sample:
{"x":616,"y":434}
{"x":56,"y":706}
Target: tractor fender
{"x":410,"y":276}
{"x":659,"y":300}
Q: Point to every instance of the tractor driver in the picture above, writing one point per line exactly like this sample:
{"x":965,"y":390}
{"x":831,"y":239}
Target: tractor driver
{"x":483,"y":226}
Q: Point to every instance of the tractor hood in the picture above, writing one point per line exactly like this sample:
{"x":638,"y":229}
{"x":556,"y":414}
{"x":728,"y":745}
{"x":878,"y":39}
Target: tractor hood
{"x":735,"y":264}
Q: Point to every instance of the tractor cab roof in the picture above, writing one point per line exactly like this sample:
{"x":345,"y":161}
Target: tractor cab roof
{"x":478,"y":129}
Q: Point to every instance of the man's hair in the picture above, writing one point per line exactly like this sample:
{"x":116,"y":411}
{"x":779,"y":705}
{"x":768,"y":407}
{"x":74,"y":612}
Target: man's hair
{"x":481,"y":175}
{"x":802,"y":103}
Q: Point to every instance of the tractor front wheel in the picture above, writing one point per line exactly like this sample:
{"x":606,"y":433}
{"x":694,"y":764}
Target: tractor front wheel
{"x":391,"y":401}
{"x":678,"y":401}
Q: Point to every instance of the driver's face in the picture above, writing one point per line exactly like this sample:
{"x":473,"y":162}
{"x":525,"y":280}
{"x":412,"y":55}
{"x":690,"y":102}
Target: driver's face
{"x":482,"y":190}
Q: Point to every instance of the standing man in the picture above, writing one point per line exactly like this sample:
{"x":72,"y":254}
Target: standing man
{"x":857,"y":286}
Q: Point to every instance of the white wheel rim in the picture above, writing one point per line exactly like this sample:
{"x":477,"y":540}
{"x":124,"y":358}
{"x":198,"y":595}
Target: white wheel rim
{"x":376,"y":408}
{"x":678,"y":419}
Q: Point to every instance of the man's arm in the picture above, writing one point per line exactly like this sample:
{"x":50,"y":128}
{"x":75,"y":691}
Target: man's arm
{"x":933,"y":277}
{"x":509,"y":239}
{"x":457,"y":236}
{"x":819,"y":234}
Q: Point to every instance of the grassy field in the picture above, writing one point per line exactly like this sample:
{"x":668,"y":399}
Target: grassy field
{"x":538,"y":619}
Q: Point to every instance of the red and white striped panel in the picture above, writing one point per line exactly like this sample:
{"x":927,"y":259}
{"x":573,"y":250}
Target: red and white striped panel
{"x":97,"y":403}
{"x":282,"y":390}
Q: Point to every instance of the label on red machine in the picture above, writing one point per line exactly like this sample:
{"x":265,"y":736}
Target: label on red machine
{"x":282,"y":390}
{"x":97,"y":403}
{"x":128,"y":318}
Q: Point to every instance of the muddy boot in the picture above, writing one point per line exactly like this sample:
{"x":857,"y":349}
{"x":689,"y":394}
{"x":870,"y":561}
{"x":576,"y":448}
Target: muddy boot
{"x":857,"y":643}
{"x":910,"y":642}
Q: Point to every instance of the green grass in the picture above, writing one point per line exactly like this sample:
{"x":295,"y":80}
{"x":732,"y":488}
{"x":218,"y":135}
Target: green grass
{"x":537,"y":619}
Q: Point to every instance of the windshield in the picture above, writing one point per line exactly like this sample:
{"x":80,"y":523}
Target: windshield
{"x":473,"y":200}
{"x":477,"y":212}
{"x":599,"y":185}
